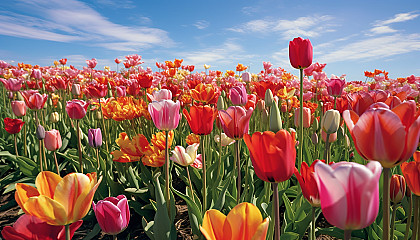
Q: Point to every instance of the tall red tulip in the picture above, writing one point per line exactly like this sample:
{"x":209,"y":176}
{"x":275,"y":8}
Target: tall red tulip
{"x":76,"y":109}
{"x":200,"y":119}
{"x":300,"y":53}
{"x":273,"y":155}
{"x":411,"y":172}
{"x":308,"y":184}
{"x":235,"y":121}
{"x":13,"y":126}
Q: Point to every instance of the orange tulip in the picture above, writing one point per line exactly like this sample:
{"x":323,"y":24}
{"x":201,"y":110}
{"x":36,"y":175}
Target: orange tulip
{"x":384,"y":135}
{"x":206,"y":93}
{"x":244,"y":222}
{"x":200,"y":119}
{"x":411,"y":172}
{"x":55,"y":200}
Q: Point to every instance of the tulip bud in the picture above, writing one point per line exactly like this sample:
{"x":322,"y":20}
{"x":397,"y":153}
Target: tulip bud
{"x":40,"y":132}
{"x":268,"y":98}
{"x":332,"y":137}
{"x":52,"y":140}
{"x":331,"y":121}
{"x":59,"y":106}
{"x":54,"y":117}
{"x":95,"y":137}
{"x":275,"y":119}
{"x":221,"y":103}
{"x":314,"y":138}
{"x":306,"y":117}
{"x":315,"y":124}
{"x":19,"y":96}
{"x":223,"y":94}
{"x":397,"y":188}
{"x":98,"y":115}
{"x":10,"y":95}
{"x":75,"y":89}
{"x":340,"y":132}
{"x":18,"y":108}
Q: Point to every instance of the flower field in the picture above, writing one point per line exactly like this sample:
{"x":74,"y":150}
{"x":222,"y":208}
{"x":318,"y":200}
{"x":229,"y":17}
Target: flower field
{"x":86,"y":153}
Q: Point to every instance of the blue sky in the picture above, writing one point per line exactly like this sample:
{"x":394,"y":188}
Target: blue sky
{"x":350,"y":36}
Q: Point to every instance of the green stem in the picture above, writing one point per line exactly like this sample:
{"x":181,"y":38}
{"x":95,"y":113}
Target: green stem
{"x":276,"y":211}
{"x":301,"y":120}
{"x":79,"y":145}
{"x":56,"y":163}
{"x":313,"y":224}
{"x":103,"y":124}
{"x":168,"y":204}
{"x":40,"y":155}
{"x":385,"y":204}
{"x":410,"y":214}
{"x":327,"y":148}
{"x":97,"y":157}
{"x":238,"y":166}
{"x":220,"y":154}
{"x":394,"y":212}
{"x":16,"y":149}
{"x":416,"y":217}
{"x":114,"y":237}
{"x":347,"y":234}
{"x":189,"y":182}
{"x":67,"y":229}
{"x":24,"y":141}
{"x":204,"y":177}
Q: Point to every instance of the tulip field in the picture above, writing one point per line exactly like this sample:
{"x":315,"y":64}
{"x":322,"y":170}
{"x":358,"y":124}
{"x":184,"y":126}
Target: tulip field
{"x":132,"y":153}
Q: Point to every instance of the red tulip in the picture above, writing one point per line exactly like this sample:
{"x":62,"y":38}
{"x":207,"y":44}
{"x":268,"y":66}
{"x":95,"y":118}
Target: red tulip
{"x":384,"y":135}
{"x":76,"y":109}
{"x":29,"y":227}
{"x":397,"y":188}
{"x":33,"y":99}
{"x":308,"y":184}
{"x":273,"y":155}
{"x":235,"y":121}
{"x":335,"y":87}
{"x":96,"y":90}
{"x":91,"y":63}
{"x":63,"y":61}
{"x":411,"y":172}
{"x":13,"y":126}
{"x":200,"y":119}
{"x":300,"y":53}
{"x":145,"y":80}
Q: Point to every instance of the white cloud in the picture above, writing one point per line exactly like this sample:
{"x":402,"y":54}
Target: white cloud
{"x":382,"y":30}
{"x":201,"y":24}
{"x":72,"y":20}
{"x":401,"y":17}
{"x":311,"y":26}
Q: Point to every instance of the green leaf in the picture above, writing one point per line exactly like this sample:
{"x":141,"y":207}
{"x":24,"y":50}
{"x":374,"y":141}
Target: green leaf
{"x":92,"y":234}
{"x":221,"y":200}
{"x":289,"y":236}
{"x":163,"y":227}
{"x":27,"y":166}
{"x":194,"y":211}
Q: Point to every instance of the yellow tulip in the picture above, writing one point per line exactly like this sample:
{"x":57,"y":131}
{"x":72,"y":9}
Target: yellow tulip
{"x":244,"y":222}
{"x":56,"y":200}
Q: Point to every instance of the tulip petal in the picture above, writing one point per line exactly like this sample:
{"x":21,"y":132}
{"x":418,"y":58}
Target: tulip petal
{"x":46,"y":182}
{"x":261,"y":232}
{"x":243,"y":221}
{"x":23,"y":193}
{"x":413,"y":135}
{"x":212,"y":227}
{"x":47,"y":210}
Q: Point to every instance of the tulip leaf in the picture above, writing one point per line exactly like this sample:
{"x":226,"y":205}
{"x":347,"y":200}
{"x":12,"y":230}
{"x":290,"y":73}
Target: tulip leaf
{"x":222,"y":196}
{"x":163,"y":227}
{"x":289,"y":214}
{"x":92,"y":234}
{"x":147,"y":227}
{"x":194,"y":211}
{"x":27,"y":166}
{"x":289,"y":236}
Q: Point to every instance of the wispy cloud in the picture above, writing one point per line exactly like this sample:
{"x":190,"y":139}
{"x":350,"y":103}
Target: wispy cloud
{"x":201,"y":24}
{"x":311,"y":26}
{"x":72,"y":20}
{"x":381,"y":26}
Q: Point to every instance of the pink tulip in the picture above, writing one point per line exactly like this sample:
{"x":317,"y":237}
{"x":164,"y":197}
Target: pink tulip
{"x":335,"y":87}
{"x":92,"y":63}
{"x":300,"y":53}
{"x":18,"y":108}
{"x":30,"y":227}
{"x":163,"y":94}
{"x":306,"y":117}
{"x":238,"y":95}
{"x":121,"y":91}
{"x":37,"y":74}
{"x":246,"y":77}
{"x":52,"y":140}
{"x":113,"y":214}
{"x":235,"y":121}
{"x":33,"y":99}
{"x":12,"y":84}
{"x":349,"y":193}
{"x":165,"y":114}
{"x":76,"y":109}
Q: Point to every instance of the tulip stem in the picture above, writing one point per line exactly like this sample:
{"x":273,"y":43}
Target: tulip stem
{"x":416,"y":217}
{"x":97,"y":158}
{"x":220,"y":154}
{"x":67,"y":230}
{"x":189,"y":182}
{"x":79,"y":145}
{"x":385,"y":204}
{"x":238,"y":166}
{"x":103,"y":124}
{"x":347,"y":234}
{"x":168,"y":204}
{"x":301,"y":119}
{"x":45,"y":157}
{"x":327,"y":149}
{"x":56,"y":163}
{"x":276,"y":210}
{"x":16,"y":149}
{"x":410,"y":214}
{"x":394,"y":212}
{"x":114,"y":237}
{"x":24,"y":141}
{"x":40,"y":156}
{"x":204,"y":177}
{"x":313,"y":224}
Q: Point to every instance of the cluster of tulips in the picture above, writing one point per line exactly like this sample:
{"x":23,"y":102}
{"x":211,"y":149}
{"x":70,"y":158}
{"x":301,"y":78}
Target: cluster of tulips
{"x":313,"y":143}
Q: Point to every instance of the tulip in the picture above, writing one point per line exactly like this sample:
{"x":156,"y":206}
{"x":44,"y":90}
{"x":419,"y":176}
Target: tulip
{"x":397,"y":188}
{"x":113,"y":214}
{"x":185,"y":157}
{"x":331,"y":137}
{"x":165,"y":114}
{"x":55,"y":200}
{"x":95,"y":137}
{"x":205,"y":93}
{"x":225,"y":139}
{"x":306,"y":117}
{"x":91,"y":63}
{"x":18,"y":108}
{"x":200,"y":119}
{"x":300,"y":53}
{"x":335,"y":87}
{"x":238,"y":95}
{"x":331,"y":121}
{"x":275,"y":123}
{"x":30,"y":227}
{"x":269,"y":99}
{"x":13,"y":126}
{"x":246,"y":77}
{"x":273,"y":155}
{"x":384,"y":135}
{"x":96,"y":91}
{"x":244,"y":222}
{"x":12,"y":84}
{"x":221,"y":102}
{"x":145,"y":80}
{"x":54,"y":117}
{"x":411,"y":172}
{"x":63,"y":61}
{"x":36,"y":73}
{"x":33,"y":99}
{"x":76,"y":109}
{"x":163,"y":94}
{"x":52,"y":140}
{"x":75,"y":89}
{"x":308,"y":183}
{"x":349,"y":193}
{"x":235,"y":121}
{"x":40,"y":132}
